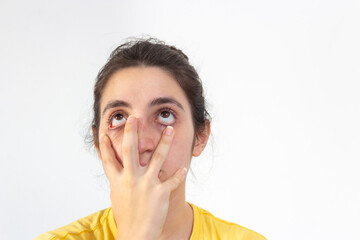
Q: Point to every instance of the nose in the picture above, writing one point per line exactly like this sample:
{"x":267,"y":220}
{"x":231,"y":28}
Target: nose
{"x":148,"y":138}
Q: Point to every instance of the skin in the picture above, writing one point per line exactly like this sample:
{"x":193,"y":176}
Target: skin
{"x":144,"y":156}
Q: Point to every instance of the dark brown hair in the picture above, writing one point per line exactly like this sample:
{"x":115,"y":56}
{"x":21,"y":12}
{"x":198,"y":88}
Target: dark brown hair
{"x":152,"y":52}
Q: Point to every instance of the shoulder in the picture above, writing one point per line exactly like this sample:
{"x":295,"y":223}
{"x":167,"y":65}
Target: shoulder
{"x":211,"y":227}
{"x":94,"y":226}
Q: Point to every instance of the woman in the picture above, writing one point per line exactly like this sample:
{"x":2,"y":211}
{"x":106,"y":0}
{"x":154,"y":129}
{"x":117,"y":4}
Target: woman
{"x":149,"y":120}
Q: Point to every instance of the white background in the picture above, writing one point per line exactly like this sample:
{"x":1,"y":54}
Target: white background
{"x":281,"y":79}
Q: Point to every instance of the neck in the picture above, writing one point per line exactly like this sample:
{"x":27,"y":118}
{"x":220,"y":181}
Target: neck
{"x":179,"y":214}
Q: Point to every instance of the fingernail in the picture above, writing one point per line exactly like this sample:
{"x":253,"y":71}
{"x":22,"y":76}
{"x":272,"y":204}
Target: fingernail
{"x":131,"y":119}
{"x":169,"y":130}
{"x":183,"y":171}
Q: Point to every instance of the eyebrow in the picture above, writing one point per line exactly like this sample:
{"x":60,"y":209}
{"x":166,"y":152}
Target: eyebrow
{"x":156,"y":101}
{"x":114,"y":104}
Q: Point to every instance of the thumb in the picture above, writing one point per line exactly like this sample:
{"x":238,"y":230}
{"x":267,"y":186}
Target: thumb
{"x":173,"y":182}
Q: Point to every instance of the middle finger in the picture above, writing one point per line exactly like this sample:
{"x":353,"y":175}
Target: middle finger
{"x":161,"y":151}
{"x":130,"y":146}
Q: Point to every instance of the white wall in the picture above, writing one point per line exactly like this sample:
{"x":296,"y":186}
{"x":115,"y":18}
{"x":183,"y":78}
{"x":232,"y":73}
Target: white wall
{"x":282,"y":80}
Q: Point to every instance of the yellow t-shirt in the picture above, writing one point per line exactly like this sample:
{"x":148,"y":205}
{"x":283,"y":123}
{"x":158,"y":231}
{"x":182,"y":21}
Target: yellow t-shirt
{"x":101,"y":225}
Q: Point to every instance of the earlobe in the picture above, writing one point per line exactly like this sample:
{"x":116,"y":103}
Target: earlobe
{"x":201,"y":140}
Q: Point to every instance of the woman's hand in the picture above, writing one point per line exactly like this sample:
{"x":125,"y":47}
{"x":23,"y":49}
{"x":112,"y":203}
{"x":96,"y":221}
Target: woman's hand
{"x":139,"y":199}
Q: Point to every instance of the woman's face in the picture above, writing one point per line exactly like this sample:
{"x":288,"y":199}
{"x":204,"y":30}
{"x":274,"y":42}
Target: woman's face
{"x":155,"y":98}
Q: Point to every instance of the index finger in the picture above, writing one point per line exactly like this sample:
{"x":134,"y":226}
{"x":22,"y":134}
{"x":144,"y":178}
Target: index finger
{"x":129,"y":146}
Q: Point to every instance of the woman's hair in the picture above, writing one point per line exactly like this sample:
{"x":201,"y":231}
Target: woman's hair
{"x":153,"y":53}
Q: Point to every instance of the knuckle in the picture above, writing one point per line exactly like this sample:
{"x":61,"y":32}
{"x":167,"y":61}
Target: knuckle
{"x":161,"y":191}
{"x":128,"y":181}
{"x":102,"y":147}
{"x":177,"y":179}
{"x":158,"y":156}
{"x":173,"y":184}
{"x":127,"y":149}
{"x":166,"y":140}
{"x":128,"y":128}
{"x":108,"y":165}
{"x":148,"y":178}
{"x":106,"y":160}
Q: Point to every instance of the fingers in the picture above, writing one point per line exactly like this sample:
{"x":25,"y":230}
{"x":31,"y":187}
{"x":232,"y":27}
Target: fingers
{"x":111,"y":166}
{"x":172,"y":183}
{"x":130,"y":149}
{"x":161,"y":151}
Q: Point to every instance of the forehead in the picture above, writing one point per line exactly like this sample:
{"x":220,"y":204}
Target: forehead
{"x":140,"y":85}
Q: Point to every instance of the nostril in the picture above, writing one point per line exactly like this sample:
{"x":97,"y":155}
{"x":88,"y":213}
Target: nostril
{"x":142,"y":161}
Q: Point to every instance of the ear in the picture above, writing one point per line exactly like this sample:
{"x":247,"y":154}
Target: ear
{"x":201,"y":140}
{"x":96,"y":146}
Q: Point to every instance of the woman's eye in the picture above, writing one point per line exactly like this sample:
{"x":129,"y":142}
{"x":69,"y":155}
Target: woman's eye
{"x":166,"y":117}
{"x":117,"y":120}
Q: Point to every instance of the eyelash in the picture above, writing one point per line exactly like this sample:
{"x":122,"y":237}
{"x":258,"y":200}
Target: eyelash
{"x":126,"y":115}
{"x":168,"y":110}
{"x":113,"y":115}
